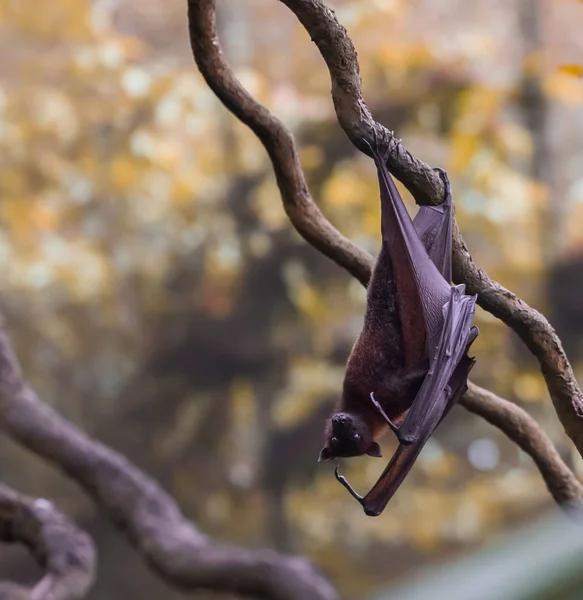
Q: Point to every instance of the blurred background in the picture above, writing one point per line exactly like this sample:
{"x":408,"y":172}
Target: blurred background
{"x":159,"y":299}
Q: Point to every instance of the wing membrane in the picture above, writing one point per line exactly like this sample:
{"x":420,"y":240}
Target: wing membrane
{"x":434,"y":226}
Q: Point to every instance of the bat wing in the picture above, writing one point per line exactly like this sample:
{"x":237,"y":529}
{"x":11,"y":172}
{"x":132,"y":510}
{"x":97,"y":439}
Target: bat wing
{"x":456,"y":336}
{"x":422,"y":291}
{"x":436,"y":320}
{"x":433,"y":225}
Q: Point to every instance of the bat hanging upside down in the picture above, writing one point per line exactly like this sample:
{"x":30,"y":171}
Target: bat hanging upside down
{"x":409,"y":365}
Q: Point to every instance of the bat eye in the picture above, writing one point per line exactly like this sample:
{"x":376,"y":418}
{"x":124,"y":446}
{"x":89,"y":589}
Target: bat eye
{"x":356,"y":437}
{"x":334,"y":441}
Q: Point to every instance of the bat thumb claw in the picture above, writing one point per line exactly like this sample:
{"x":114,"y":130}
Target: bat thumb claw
{"x":339,"y":477}
{"x":345,"y":484}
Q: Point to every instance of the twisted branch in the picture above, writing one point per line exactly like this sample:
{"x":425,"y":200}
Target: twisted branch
{"x":150,"y":518}
{"x":64,"y":551}
{"x":426,"y":185}
{"x":524,"y":431}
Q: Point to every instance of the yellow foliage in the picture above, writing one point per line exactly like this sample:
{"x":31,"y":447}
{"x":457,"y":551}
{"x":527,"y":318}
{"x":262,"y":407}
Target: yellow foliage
{"x":24,"y":219}
{"x":123,"y":172}
{"x":476,"y":105}
{"x":576,"y":70}
{"x":478,"y":108}
{"x":310,"y":301}
{"x":267,"y":203}
{"x":83,"y":269}
{"x":259,"y":244}
{"x":424,"y":533}
{"x":311,"y":157}
{"x":533,"y":64}
{"x":43,"y":217}
{"x":53,"y":111}
{"x":217,"y":505}
{"x":223,"y":259}
{"x":464,"y":147}
{"x":61,"y":19}
{"x":351,"y":197}
{"x":243,"y":404}
{"x":446,"y":465}
{"x":11,"y":184}
{"x":63,"y":336}
{"x":513,"y":141}
{"x":574,"y":226}
{"x":310,"y":382}
{"x":563,"y":87}
{"x":244,"y":438}
{"x":346,"y":187}
{"x":180,"y":435}
{"x":530,"y":387}
{"x":371,"y":222}
{"x":404,"y":56}
{"x":183,"y":192}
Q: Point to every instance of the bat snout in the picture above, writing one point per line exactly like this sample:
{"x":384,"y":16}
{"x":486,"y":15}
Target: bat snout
{"x":339,"y":422}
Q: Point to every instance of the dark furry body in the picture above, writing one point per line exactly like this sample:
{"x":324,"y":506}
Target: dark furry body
{"x":376,"y":363}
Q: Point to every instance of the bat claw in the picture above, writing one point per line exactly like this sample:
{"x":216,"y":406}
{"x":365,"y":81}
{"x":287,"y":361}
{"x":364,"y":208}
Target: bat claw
{"x":345,"y":483}
{"x":369,"y":512}
{"x":367,"y":144}
{"x":392,"y":425}
{"x":445,"y":179}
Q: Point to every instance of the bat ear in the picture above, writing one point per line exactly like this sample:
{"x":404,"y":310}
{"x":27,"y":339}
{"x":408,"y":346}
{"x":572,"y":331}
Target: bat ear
{"x":374,"y":450}
{"x":325,"y":455}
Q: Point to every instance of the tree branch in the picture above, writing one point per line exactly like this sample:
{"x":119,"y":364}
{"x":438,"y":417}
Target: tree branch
{"x":64,"y":551}
{"x":338,"y":51}
{"x":278,"y":141}
{"x":534,"y":330}
{"x":340,"y":56}
{"x":149,"y":517}
{"x":424,"y":183}
{"x":522,"y":429}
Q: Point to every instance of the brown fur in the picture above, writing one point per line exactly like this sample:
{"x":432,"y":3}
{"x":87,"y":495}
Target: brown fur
{"x":376,"y":364}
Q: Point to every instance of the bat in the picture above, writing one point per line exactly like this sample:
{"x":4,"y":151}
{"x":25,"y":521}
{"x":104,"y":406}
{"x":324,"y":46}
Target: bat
{"x":409,"y":365}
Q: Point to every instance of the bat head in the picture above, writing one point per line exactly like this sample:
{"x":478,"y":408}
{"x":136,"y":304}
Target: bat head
{"x":348,"y":435}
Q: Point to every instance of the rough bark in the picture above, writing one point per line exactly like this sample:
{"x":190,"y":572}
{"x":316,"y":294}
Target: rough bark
{"x":66,"y":553}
